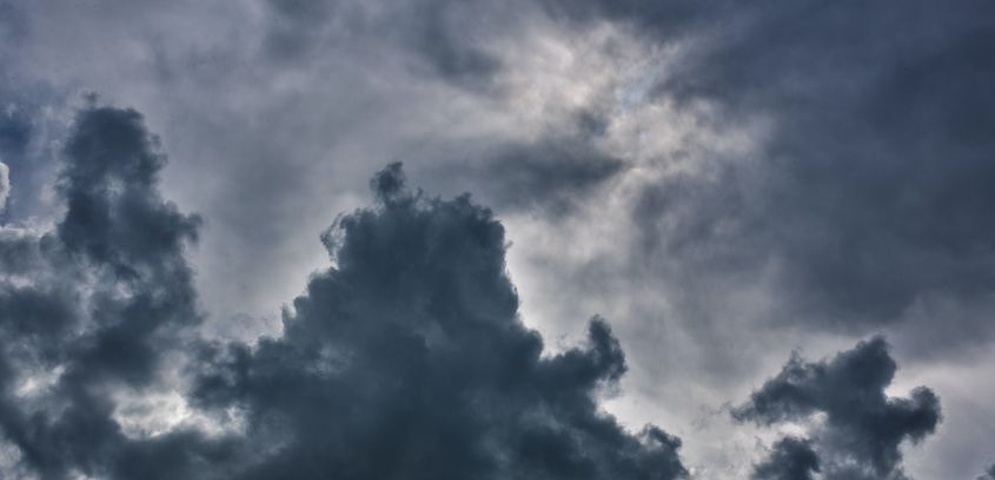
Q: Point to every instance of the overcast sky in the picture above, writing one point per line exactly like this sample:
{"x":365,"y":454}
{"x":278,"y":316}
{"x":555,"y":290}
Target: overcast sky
{"x":549,"y":239}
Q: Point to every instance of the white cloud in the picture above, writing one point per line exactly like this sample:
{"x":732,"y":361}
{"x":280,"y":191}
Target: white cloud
{"x":4,"y":185}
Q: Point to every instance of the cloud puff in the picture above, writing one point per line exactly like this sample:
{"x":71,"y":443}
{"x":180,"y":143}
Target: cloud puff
{"x":93,"y":307}
{"x":790,"y":459}
{"x":407,"y":360}
{"x":861,"y":427}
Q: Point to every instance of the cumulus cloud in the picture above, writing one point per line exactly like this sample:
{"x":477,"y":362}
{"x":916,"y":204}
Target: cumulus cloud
{"x":407,"y":359}
{"x":93,"y":306}
{"x":861,"y":427}
{"x":719,"y":181}
{"x":790,"y":459}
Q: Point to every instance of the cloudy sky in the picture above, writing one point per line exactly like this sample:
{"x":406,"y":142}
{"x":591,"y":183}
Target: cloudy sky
{"x":544,"y":239}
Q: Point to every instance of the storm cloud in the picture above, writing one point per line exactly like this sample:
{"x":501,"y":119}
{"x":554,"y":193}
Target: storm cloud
{"x":725,"y":182}
{"x":407,"y":359}
{"x":92,"y":307}
{"x":861,"y":427}
{"x":861,"y":229}
{"x":790,"y":459}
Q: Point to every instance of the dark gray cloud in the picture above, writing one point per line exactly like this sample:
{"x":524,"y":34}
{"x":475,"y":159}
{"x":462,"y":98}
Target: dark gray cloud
{"x":95,"y":304}
{"x":862,"y":427}
{"x":989,"y":474}
{"x":115,"y":216}
{"x":861,"y":203}
{"x":790,"y":459}
{"x":408,"y":360}
{"x":871,"y":191}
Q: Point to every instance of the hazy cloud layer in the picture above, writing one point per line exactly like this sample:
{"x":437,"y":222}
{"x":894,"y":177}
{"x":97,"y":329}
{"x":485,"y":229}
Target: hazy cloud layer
{"x":870,"y":193}
{"x":724,"y":181}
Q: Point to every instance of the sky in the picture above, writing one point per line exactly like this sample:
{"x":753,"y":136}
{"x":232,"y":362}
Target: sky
{"x":543,"y":239}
